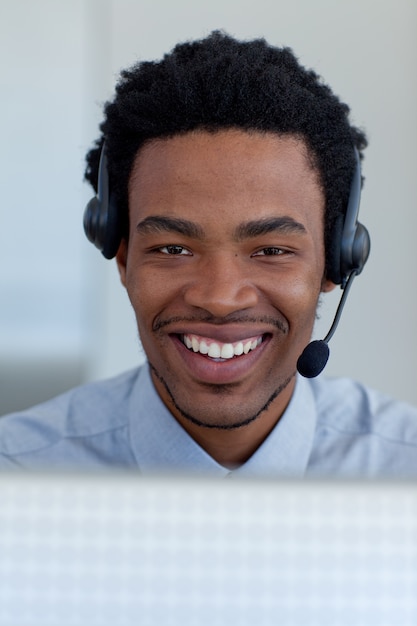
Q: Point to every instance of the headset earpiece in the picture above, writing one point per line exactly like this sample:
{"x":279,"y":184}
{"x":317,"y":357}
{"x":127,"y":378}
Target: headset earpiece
{"x":351,"y":242}
{"x":102,"y":224}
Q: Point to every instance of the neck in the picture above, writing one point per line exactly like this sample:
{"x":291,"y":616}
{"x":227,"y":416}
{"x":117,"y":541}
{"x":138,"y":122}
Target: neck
{"x":232,"y":447}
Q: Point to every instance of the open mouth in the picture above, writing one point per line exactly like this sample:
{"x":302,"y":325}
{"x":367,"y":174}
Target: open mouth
{"x":218,"y":350}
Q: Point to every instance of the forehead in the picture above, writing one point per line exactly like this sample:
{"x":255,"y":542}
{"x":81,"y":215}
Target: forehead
{"x":241,"y":174}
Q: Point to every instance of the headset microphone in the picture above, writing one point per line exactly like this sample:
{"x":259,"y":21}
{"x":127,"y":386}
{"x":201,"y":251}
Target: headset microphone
{"x":314,"y":357}
{"x":351,"y":246}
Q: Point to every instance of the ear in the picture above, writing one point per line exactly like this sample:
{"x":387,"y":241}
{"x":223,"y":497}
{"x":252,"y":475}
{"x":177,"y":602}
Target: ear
{"x":121,"y":259}
{"x":327,"y":285}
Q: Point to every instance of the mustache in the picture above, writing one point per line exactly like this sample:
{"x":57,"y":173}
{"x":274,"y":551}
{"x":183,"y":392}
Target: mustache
{"x":222,"y":321}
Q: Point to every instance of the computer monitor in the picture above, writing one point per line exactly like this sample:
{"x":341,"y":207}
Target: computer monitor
{"x":119,"y":549}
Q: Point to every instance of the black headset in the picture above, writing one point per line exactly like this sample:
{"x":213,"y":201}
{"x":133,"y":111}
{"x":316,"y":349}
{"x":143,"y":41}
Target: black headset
{"x":348,"y":252}
{"x":351,"y":243}
{"x":103,"y":224}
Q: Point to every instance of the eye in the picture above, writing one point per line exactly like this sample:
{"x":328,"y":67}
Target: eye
{"x":271,"y":251}
{"x":173,"y":249}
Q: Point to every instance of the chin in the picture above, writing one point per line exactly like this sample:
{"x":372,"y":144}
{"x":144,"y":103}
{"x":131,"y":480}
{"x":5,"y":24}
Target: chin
{"x":235,"y":412}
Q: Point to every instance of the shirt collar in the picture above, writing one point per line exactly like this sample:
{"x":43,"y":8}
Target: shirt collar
{"x":160,"y":444}
{"x":287,"y":449}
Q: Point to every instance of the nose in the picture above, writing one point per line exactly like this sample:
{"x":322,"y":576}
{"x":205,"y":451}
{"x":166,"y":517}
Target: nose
{"x":222,"y":286}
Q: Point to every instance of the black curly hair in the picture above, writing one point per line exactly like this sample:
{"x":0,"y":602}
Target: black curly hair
{"x":218,"y":83}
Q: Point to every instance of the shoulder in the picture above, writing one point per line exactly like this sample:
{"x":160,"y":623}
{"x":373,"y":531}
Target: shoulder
{"x":362,"y":430}
{"x":83,"y":412}
{"x":353,"y":406}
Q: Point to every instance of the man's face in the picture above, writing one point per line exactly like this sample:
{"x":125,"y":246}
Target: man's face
{"x":224,"y":267}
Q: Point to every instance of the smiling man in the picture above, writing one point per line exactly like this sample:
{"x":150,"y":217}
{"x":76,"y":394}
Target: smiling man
{"x":227,"y":176}
{"x":224,"y":265}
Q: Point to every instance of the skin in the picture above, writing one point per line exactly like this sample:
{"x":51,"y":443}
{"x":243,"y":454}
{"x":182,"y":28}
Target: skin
{"x":226,"y":243}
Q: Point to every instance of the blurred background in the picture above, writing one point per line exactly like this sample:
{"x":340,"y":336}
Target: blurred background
{"x":64,"y":317}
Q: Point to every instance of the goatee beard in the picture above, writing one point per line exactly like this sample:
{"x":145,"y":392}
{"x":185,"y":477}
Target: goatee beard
{"x":220,"y":389}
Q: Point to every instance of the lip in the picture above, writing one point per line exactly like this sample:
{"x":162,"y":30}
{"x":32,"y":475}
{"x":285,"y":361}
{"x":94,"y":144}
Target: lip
{"x":206,"y":370}
{"x":223,"y":333}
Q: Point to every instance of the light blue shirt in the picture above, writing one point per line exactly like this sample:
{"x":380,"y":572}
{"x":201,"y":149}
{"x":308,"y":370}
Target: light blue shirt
{"x":331,"y":428}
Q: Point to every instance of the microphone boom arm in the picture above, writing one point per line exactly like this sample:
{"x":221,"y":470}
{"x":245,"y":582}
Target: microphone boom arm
{"x":342,"y":302}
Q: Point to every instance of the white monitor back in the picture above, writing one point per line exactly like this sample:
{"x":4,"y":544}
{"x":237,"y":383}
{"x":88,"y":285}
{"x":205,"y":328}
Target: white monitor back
{"x":122,"y":550}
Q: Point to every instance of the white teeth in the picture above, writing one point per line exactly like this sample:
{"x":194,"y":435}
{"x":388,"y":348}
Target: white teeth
{"x":247,"y":346}
{"x":204,"y":347}
{"x":214,"y":351}
{"x":220,"y":350}
{"x":227,"y":351}
{"x":238,"y":348}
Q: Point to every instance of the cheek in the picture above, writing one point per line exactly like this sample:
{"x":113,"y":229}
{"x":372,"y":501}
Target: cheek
{"x":149,"y":293}
{"x":298,"y":302}
{"x":298,"y":292}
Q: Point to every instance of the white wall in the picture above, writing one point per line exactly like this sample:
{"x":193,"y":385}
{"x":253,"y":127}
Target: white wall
{"x":60,"y":60}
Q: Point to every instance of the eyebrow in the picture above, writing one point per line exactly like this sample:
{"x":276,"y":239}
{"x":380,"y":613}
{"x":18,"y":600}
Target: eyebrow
{"x":159,"y":224}
{"x":256,"y":228}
